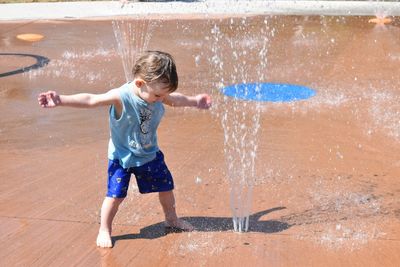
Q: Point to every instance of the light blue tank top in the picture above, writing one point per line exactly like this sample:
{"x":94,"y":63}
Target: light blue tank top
{"x":134,"y":135}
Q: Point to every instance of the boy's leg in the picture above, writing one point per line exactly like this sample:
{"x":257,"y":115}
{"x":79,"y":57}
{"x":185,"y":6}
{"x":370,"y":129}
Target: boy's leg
{"x":118,"y":183}
{"x":108,"y":211}
{"x":167,"y":201}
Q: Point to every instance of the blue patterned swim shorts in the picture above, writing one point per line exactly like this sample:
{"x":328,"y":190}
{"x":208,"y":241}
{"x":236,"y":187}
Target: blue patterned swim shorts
{"x":153,"y":176}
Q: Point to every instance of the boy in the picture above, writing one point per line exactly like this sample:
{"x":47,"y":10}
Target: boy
{"x":135,"y":113}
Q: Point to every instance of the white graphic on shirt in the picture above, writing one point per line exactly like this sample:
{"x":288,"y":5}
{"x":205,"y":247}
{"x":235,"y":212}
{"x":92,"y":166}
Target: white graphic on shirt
{"x":145,"y":117}
{"x":145,"y":135}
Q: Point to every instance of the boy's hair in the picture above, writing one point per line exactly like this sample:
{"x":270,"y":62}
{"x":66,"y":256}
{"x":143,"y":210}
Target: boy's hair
{"x":156,"y":66}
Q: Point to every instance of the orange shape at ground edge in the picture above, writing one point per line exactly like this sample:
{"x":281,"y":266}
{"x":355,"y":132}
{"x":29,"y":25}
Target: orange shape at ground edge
{"x":380,"y":21}
{"x":30,"y":37}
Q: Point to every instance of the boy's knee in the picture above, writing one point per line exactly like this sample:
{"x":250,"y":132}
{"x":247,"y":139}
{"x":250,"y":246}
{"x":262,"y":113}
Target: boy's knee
{"x":166,"y":192}
{"x":115,"y":200}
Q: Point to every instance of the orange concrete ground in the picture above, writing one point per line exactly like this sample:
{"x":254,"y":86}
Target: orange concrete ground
{"x":326,"y":187}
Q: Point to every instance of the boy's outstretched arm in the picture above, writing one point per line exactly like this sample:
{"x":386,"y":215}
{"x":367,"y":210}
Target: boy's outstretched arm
{"x":51,"y":99}
{"x":201,"y":101}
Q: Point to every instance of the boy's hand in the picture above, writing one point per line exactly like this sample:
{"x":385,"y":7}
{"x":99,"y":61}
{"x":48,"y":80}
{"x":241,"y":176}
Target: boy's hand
{"x":203,"y":101}
{"x":49,"y":99}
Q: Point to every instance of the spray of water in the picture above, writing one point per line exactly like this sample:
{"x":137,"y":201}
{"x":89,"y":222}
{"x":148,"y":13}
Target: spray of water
{"x":244,"y":61}
{"x":132,"y":37}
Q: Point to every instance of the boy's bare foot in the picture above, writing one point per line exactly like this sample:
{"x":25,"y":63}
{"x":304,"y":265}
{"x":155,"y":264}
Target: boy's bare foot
{"x":178,"y":226}
{"x":104,"y":239}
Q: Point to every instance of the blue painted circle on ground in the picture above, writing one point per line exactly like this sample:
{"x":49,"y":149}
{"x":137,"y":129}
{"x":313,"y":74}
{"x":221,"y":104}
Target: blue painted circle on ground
{"x":273,"y":92}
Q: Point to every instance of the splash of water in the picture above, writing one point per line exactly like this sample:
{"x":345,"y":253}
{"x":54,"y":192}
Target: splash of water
{"x":235,"y":46}
{"x":380,"y":20}
{"x":133,"y":37}
{"x":381,"y":17}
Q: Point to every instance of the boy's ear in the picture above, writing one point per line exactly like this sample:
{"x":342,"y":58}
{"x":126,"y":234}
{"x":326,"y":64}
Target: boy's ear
{"x":139,"y":83}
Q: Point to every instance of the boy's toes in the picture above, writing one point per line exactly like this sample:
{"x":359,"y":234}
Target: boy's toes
{"x":178,"y":226}
{"x":186,"y":226}
{"x":104,"y":240}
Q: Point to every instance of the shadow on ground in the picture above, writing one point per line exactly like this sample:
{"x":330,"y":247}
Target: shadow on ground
{"x":212,"y":224}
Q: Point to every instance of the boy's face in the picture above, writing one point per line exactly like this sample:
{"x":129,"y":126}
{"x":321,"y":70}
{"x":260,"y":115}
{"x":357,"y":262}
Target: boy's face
{"x":152,"y":92}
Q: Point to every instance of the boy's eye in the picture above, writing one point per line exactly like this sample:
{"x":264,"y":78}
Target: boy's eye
{"x":157,"y":95}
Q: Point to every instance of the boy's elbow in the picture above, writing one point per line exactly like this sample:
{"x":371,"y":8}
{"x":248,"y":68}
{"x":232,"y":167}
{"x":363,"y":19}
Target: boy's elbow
{"x":92,"y":102}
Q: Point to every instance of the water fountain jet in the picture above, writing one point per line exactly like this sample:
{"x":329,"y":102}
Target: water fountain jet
{"x":132,"y":37}
{"x":240,"y":119}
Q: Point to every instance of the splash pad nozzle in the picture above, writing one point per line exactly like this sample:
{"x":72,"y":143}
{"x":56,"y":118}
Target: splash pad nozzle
{"x":30,"y":37}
